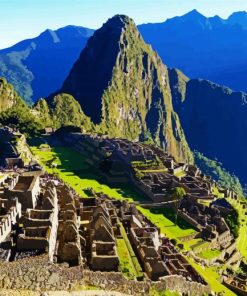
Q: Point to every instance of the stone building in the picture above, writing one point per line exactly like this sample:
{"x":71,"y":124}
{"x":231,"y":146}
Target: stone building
{"x":25,"y":188}
{"x":10,"y":213}
{"x":100,"y":226}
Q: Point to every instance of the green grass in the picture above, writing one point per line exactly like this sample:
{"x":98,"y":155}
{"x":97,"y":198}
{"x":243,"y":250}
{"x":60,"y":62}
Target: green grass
{"x":75,"y":171}
{"x":164,"y":219}
{"x":209,"y":254}
{"x":129,"y":264}
{"x":154,"y":171}
{"x":196,"y":243}
{"x":216,"y":192}
{"x":242,"y":237}
{"x":180,"y":174}
{"x":212,"y":278}
{"x":126,"y":265}
{"x":131,"y":254}
{"x":164,"y":293}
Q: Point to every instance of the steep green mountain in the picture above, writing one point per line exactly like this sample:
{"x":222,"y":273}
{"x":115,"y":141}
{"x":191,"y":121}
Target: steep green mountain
{"x":123,"y":86}
{"x":63,"y":110}
{"x":214,"y":119}
{"x":13,"y":110}
{"x":36,"y":67}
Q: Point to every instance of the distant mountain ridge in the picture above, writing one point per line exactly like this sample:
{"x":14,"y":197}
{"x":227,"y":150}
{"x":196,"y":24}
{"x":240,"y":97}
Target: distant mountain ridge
{"x":210,"y":48}
{"x":203,"y":47}
{"x":38,"y":66}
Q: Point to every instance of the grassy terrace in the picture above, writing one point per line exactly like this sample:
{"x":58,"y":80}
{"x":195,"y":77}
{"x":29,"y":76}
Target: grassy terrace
{"x":72,"y":168}
{"x":165,"y":219}
{"x":209,"y":254}
{"x":242,"y":238}
{"x":128,"y":262}
{"x":211,"y":277}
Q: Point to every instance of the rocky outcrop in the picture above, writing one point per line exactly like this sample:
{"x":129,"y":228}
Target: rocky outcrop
{"x":123,"y":86}
{"x":8,"y":96}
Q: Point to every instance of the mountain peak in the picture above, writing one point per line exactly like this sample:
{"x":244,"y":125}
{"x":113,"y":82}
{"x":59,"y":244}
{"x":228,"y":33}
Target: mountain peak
{"x":238,"y":18}
{"x":122,"y":85}
{"x":238,"y":14}
{"x":194,"y":14}
{"x":49,"y":35}
{"x":118,"y":22}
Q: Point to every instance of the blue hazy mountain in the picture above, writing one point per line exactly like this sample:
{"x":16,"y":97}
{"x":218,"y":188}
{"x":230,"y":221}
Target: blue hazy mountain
{"x":36,"y":67}
{"x":209,"y":48}
{"x":214,"y":120}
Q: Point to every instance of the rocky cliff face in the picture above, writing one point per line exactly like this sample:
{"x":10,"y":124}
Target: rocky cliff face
{"x":214,"y":119}
{"x":123,"y":86}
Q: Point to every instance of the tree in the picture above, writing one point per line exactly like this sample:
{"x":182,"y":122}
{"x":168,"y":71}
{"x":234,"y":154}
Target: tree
{"x":177,"y":194}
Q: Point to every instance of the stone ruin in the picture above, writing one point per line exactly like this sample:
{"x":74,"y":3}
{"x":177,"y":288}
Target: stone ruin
{"x":119,"y":158}
{"x":212,"y":227}
{"x":160,"y":174}
{"x":46,"y":219}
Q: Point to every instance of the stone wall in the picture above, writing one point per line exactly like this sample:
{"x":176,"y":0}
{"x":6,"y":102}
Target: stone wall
{"x":179,"y":283}
{"x":115,"y":281}
{"x":189,"y":220}
{"x":38,"y":274}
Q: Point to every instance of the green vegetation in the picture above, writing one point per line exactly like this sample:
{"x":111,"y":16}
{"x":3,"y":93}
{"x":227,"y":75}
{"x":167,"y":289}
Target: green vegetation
{"x":13,"y":110}
{"x":178,"y":193}
{"x":136,"y":98}
{"x":242,"y":218}
{"x":73,"y":169}
{"x":125,"y":261}
{"x":129,"y":264}
{"x":62,"y":110}
{"x":212,"y":278}
{"x":218,"y":173}
{"x":209,"y":254}
{"x":165,"y":219}
{"x":153,"y":292}
{"x":12,"y":67}
{"x":232,"y":220}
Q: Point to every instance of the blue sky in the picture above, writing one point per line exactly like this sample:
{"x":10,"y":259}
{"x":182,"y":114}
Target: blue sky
{"x":21,"y":19}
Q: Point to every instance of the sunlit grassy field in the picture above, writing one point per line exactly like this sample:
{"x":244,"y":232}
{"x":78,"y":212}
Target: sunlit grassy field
{"x":72,"y":168}
{"x":242,"y":238}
